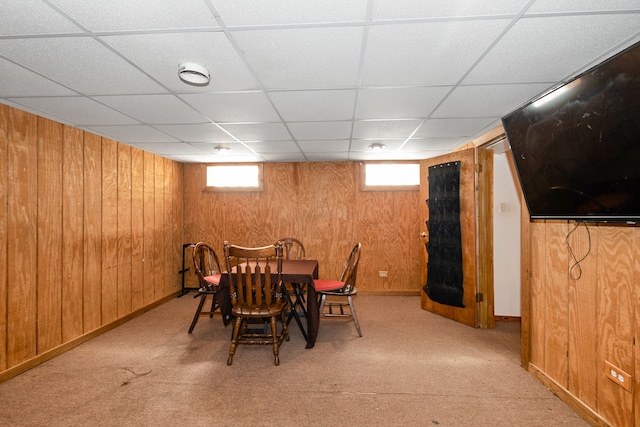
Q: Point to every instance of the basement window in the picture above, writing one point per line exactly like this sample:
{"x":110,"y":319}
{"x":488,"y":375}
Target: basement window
{"x":390,"y":176}
{"x":235,"y":177}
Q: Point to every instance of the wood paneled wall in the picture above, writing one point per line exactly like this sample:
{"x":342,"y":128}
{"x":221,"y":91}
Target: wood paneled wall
{"x":322,"y":205}
{"x":90,"y":232}
{"x":583,"y":315}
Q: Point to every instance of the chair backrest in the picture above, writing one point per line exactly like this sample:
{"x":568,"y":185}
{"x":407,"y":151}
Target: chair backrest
{"x":292,"y":248}
{"x":350,"y":270}
{"x":255,"y":275}
{"x":205,"y":263}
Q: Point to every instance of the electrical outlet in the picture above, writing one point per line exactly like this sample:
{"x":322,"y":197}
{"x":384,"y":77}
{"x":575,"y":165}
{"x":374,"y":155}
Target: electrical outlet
{"x":617,"y":375}
{"x":383,"y":273}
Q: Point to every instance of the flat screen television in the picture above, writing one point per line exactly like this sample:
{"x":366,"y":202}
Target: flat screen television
{"x":577,"y":148}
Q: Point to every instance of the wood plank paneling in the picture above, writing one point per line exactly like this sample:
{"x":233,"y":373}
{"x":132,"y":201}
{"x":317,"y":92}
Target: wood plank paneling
{"x":73,"y":234}
{"x":74,"y":216}
{"x":173,"y":209}
{"x":4,"y":140}
{"x":583,"y":292}
{"x":396,"y":226}
{"x":124,"y":230}
{"x":615,"y":320}
{"x":636,"y":373}
{"x":556,"y":304}
{"x":50,"y":234}
{"x":22,"y":237}
{"x":92,"y":224}
{"x":327,"y":191}
{"x":278,"y":201}
{"x":149,"y":228}
{"x":159,"y":282}
{"x":484,"y":237}
{"x":538,"y":280}
{"x":137,"y":229}
{"x":109,"y":230}
{"x":592,"y":320}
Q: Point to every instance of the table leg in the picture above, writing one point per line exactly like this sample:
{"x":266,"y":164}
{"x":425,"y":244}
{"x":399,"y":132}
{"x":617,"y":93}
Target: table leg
{"x":293,"y":313}
{"x":313,"y":316}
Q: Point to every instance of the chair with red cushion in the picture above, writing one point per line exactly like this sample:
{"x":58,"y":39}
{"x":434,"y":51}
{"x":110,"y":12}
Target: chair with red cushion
{"x":207,"y":268}
{"x":338,"y":294}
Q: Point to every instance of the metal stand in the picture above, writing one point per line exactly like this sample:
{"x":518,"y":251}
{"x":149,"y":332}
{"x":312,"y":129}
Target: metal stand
{"x":184,"y":270}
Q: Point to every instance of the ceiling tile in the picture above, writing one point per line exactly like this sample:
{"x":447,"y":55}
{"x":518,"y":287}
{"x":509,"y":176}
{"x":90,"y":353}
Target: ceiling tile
{"x":80,"y":63}
{"x":153,"y":109}
{"x":284,"y":157}
{"x":341,"y":146}
{"x":18,"y":81}
{"x":23,"y":17}
{"x":211,"y":148}
{"x":385,"y":128}
{"x":413,"y":9}
{"x":270,"y":147}
{"x":327,"y":157}
{"x":390,"y":145}
{"x":396,"y":103}
{"x":270,"y":12}
{"x":132,"y":134}
{"x":452,"y":127}
{"x":549,"y":49}
{"x":169,"y":148}
{"x":258,"y":131}
{"x":304,"y":58}
{"x":555,"y":6}
{"x":159,"y":55}
{"x":233,"y":107}
{"x":310,"y":106}
{"x":437,"y":144}
{"x":76,"y":111}
{"x":426,"y":47}
{"x":206,"y":132}
{"x":487,"y":100}
{"x":320,"y":130}
{"x":121,"y":15}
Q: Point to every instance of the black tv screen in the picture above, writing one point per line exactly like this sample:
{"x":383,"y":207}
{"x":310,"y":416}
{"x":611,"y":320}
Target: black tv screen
{"x":577,"y":148}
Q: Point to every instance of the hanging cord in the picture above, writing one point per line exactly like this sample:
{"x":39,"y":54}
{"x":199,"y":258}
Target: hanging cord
{"x":576,"y":262}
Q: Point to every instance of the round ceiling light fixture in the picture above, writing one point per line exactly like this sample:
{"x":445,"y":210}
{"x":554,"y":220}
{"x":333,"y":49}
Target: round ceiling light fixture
{"x":193,"y":74}
{"x":376,"y":146}
{"x":222,"y":150}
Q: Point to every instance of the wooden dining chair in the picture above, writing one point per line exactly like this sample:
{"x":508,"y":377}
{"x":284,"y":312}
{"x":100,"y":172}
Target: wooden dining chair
{"x":255,"y":285}
{"x":293,"y":249}
{"x":206,"y":266}
{"x":341,"y":292}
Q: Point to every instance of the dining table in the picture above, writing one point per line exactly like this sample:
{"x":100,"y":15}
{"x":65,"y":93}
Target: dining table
{"x":296,"y":272}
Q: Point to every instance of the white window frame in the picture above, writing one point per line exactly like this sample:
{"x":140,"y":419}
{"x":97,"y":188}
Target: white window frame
{"x":393,"y":184}
{"x":223,"y":187}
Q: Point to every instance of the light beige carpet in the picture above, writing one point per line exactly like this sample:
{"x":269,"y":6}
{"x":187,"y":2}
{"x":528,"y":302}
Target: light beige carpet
{"x":411,"y":368}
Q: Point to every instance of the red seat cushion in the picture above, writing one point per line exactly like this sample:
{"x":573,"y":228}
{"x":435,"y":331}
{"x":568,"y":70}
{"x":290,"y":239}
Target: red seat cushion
{"x":214,"y":280}
{"x":327,"y":285}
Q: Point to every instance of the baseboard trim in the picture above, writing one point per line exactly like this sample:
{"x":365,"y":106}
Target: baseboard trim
{"x":567,"y":397}
{"x":507,"y":318}
{"x":392,"y":293}
{"x":56,"y":351}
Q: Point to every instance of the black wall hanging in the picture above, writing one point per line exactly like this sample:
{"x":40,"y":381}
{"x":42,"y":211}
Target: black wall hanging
{"x":444,"y":266}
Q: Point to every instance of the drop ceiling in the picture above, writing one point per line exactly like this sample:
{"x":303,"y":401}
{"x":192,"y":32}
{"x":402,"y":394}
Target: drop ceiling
{"x":298,"y":80}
